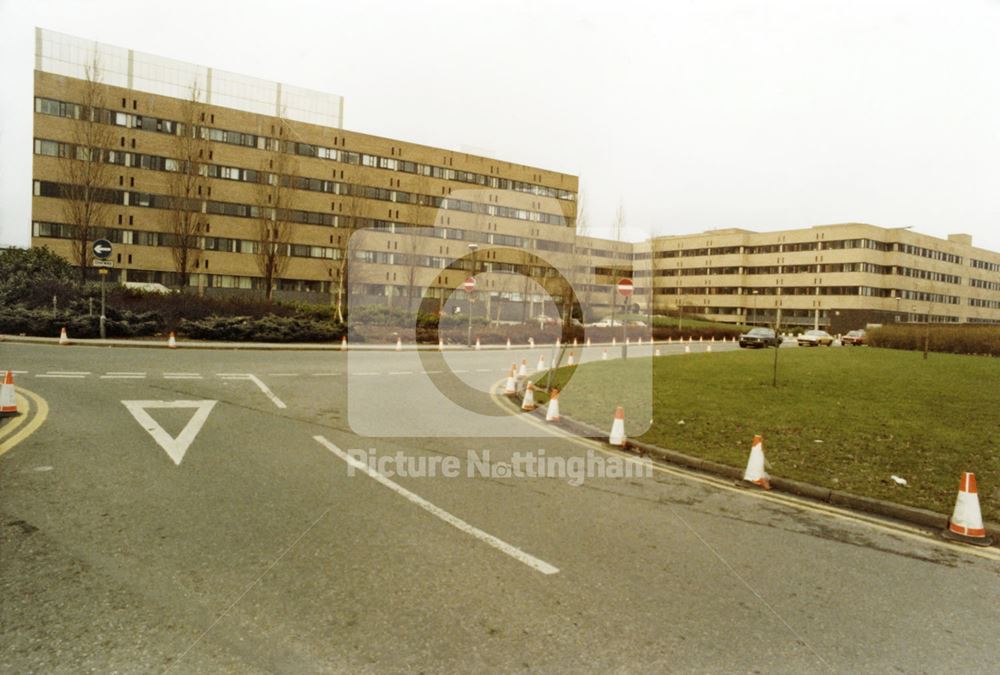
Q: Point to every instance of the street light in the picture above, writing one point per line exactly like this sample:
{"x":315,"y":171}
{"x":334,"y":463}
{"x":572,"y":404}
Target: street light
{"x":753,"y":322}
{"x":473,"y":248}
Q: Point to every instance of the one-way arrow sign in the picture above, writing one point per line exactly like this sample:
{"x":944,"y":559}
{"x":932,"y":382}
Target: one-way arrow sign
{"x":175,"y":447}
{"x":102,"y":248}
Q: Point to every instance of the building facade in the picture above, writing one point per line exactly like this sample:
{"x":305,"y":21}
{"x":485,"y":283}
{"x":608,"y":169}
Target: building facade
{"x":227,"y":184}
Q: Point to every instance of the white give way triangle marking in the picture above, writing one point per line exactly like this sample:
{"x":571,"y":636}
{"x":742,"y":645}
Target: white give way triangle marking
{"x":175,"y":447}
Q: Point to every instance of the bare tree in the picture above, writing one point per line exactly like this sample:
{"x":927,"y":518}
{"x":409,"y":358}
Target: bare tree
{"x":421,"y":198}
{"x":352,"y":201}
{"x":274,"y":202}
{"x":86,"y":197}
{"x":618,"y":225}
{"x":186,"y":184}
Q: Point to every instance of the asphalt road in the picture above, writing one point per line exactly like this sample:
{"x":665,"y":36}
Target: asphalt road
{"x":258,"y":552}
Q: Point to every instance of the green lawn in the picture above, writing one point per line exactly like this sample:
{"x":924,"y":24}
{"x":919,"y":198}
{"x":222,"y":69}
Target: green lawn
{"x":845,"y":418}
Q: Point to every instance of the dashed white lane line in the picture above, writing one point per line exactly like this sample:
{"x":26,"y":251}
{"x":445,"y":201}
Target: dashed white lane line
{"x":514,"y":552}
{"x":325,"y":374}
{"x":182,"y":376}
{"x":484,"y":370}
{"x":282,"y":374}
{"x":68,"y":372}
{"x":124,"y":376}
{"x":62,"y":376}
{"x":366,"y":373}
{"x":400,"y":372}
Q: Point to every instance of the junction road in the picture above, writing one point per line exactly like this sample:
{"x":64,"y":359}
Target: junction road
{"x":216,"y":511}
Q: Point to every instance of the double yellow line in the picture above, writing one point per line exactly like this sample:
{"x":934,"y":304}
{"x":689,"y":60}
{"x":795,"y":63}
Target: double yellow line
{"x":33,"y":411}
{"x":892,"y":527}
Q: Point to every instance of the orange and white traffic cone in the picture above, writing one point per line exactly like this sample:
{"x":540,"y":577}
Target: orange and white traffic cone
{"x":712,"y":339}
{"x":523,"y":370}
{"x":701,"y":339}
{"x":478,"y":346}
{"x":627,"y":342}
{"x":531,"y":343}
{"x":552,"y":411}
{"x":529,"y":398}
{"x":440,"y":344}
{"x":617,"y":435}
{"x":570,"y":361}
{"x":558,"y":343}
{"x":574,"y":343}
{"x":541,"y":363}
{"x":510,"y":388}
{"x":8,"y":397}
{"x":508,"y":343}
{"x":63,"y":337}
{"x":343,"y":344}
{"x":614,"y":341}
{"x":755,"y":474}
{"x":604,"y":356}
{"x":399,"y":344}
{"x":588,"y":342}
{"x":966,"y":522}
{"x":172,"y":341}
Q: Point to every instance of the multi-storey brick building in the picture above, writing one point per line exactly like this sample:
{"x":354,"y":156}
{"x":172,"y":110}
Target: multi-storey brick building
{"x":410,"y":220}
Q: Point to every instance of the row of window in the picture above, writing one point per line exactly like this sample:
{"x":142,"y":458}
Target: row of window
{"x":928,"y":275}
{"x":985,"y":265}
{"x":48,"y":106}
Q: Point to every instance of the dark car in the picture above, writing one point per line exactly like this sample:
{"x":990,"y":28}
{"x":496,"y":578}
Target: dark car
{"x":759,"y":337}
{"x":855,"y":337}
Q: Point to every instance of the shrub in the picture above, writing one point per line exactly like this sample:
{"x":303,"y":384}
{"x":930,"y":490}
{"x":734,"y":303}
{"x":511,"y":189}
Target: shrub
{"x":270,"y":328}
{"x":954,"y":339}
{"x":30,"y":277}
{"x":42,"y":322}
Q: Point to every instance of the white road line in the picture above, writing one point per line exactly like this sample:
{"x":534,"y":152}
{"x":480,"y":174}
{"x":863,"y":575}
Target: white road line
{"x":282,"y":374}
{"x":63,"y":376}
{"x":124,"y":372}
{"x":366,"y":373}
{"x":459,"y":371}
{"x":260,"y":385}
{"x":19,"y":372}
{"x":400,"y":372}
{"x":484,"y":370}
{"x":140,"y":376}
{"x":69,"y":372}
{"x":514,"y":552}
{"x":182,"y":376}
{"x":267,"y":392}
{"x":325,"y":374}
{"x":433,"y":372}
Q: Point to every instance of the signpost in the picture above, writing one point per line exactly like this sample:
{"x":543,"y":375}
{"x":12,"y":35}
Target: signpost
{"x":625,"y":289}
{"x":102,"y":251}
{"x":469,"y":287}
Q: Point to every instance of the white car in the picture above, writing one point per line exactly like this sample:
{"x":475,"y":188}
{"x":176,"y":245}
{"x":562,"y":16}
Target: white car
{"x":606,"y":323}
{"x":814,"y":338}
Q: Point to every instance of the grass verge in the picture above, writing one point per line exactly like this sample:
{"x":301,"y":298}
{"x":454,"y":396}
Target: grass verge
{"x":846,"y":419}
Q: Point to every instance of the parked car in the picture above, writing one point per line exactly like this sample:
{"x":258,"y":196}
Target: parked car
{"x":814,"y":338}
{"x":855,"y":337}
{"x":606,"y":323}
{"x":759,"y":337}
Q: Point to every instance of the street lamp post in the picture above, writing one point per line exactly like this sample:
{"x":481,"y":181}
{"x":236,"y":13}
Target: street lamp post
{"x":753,"y":322}
{"x":473,"y":248}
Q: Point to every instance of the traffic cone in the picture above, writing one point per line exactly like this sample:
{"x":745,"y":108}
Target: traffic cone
{"x":529,"y":397}
{"x":531,"y":343}
{"x":712,"y":339}
{"x":755,"y":474}
{"x":399,"y":344}
{"x":523,"y":370}
{"x":669,"y":340}
{"x":588,"y":342}
{"x":701,"y":339}
{"x":541,"y":363}
{"x":172,"y":341}
{"x":626,"y":342}
{"x":63,"y":338}
{"x":617,"y":435}
{"x":510,"y":388}
{"x":657,"y":353}
{"x":604,"y":356}
{"x":343,"y":344}
{"x":478,"y":346}
{"x":8,"y":397}
{"x":440,"y":344}
{"x":966,"y":522}
{"x":613,"y":341}
{"x":508,"y":343}
{"x":552,"y":412}
{"x":574,"y":343}
{"x":687,"y":349}
{"x":570,"y":361}
{"x":708,"y":348}
{"x":558,"y":343}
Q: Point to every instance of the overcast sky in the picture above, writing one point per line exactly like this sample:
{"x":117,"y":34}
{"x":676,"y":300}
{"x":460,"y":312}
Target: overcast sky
{"x":695,"y":115}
